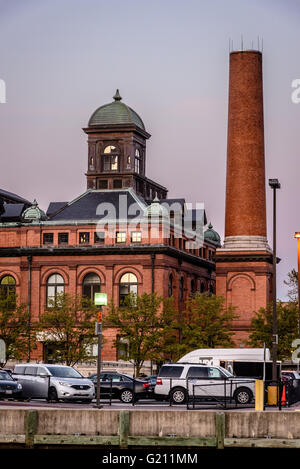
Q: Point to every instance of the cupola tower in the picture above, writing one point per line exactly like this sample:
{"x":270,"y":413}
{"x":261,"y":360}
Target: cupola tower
{"x":117,"y":151}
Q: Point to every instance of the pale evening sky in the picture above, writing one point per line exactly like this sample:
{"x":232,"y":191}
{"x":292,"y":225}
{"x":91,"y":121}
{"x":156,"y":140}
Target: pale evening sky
{"x":61,"y":59}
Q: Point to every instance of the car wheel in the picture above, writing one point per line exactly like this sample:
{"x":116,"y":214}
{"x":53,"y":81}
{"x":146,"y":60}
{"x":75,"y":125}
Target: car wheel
{"x":243,"y":396}
{"x":126,"y":396}
{"x":178,"y":396}
{"x":52,"y":396}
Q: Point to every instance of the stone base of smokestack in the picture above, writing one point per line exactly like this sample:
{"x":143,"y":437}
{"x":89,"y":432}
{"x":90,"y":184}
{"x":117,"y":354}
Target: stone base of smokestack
{"x":238,"y":243}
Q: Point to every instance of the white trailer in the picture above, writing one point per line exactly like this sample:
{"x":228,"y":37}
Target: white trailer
{"x":213,"y":356}
{"x":254,"y":362}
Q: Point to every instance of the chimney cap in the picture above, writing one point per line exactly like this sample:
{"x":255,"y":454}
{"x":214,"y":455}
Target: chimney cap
{"x":246,"y":51}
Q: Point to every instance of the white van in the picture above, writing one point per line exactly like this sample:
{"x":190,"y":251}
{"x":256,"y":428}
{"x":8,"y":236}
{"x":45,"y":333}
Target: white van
{"x":242,"y":362}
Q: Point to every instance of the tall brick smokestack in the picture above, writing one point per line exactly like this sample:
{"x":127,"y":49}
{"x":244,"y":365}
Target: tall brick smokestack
{"x":244,"y":264}
{"x":245,"y":220}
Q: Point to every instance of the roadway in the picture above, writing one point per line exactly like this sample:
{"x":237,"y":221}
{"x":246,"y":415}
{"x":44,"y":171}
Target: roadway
{"x":147,"y":404}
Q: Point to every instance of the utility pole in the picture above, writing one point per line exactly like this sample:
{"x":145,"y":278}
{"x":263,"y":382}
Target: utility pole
{"x":274,"y":184}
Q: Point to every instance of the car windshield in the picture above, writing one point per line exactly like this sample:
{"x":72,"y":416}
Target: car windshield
{"x":227,"y":373}
{"x":127,"y":377}
{"x":5,"y":375}
{"x":63,"y":372}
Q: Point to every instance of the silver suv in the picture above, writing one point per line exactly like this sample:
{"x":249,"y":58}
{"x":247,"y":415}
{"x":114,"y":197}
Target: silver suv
{"x":179,"y":381}
{"x":53,"y":382}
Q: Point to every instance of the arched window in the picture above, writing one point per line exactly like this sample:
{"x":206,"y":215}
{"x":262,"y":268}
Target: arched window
{"x":128,"y":284}
{"x":55,"y":286}
{"x":181,"y":285}
{"x":202,"y":287}
{"x":110,"y":158}
{"x":137,"y":162}
{"x":90,"y":286}
{"x":7,"y":287}
{"x":170,"y":286}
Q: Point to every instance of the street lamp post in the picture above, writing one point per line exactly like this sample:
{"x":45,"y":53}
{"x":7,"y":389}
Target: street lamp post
{"x":99,"y":334}
{"x":274,"y":184}
{"x":297,"y":236}
{"x":100,"y":300}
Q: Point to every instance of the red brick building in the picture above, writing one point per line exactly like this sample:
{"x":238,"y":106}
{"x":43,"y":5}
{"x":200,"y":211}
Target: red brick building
{"x":122,"y":235}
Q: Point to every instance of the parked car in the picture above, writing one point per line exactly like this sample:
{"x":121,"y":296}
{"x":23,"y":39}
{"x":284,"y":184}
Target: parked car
{"x":8,"y":386}
{"x":152,"y":382}
{"x":292,"y":375}
{"x":291,"y":379}
{"x":179,"y":381}
{"x":53,"y":382}
{"x":121,"y":386}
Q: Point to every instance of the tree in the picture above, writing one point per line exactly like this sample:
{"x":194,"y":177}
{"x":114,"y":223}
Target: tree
{"x":287,"y":328}
{"x":292,"y":284}
{"x":143,"y":321}
{"x":206,"y":323}
{"x":70,"y":321}
{"x":14,"y":327}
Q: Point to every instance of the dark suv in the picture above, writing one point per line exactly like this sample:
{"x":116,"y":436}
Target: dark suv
{"x":121,"y":386}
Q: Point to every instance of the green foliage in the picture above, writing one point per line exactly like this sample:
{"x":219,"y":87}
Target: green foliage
{"x":144,"y":321}
{"x":14,"y":327}
{"x":205,"y":323}
{"x":287,"y":328}
{"x":292,"y":283}
{"x":70,"y":321}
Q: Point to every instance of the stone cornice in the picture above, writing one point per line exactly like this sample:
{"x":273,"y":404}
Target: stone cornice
{"x":106,"y":250}
{"x":223,"y":256}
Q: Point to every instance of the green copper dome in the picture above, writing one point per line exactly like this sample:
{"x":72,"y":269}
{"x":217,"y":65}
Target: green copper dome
{"x":212,"y":236}
{"x":116,"y":113}
{"x":34,"y":213}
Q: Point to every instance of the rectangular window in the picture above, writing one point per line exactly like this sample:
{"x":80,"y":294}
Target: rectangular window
{"x":169,"y":371}
{"x":197,"y":372}
{"x":136,"y":237}
{"x":102,"y":184}
{"x":110,"y":163}
{"x":106,"y":163}
{"x":48,"y":238}
{"x":122,"y":348}
{"x":84,"y":238}
{"x":99,"y":237}
{"x":63,"y":238}
{"x":117,"y":183}
{"x":121,"y":237}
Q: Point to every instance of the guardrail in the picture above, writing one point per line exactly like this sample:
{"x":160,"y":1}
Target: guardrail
{"x":227,"y":399}
{"x":288,"y":392}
